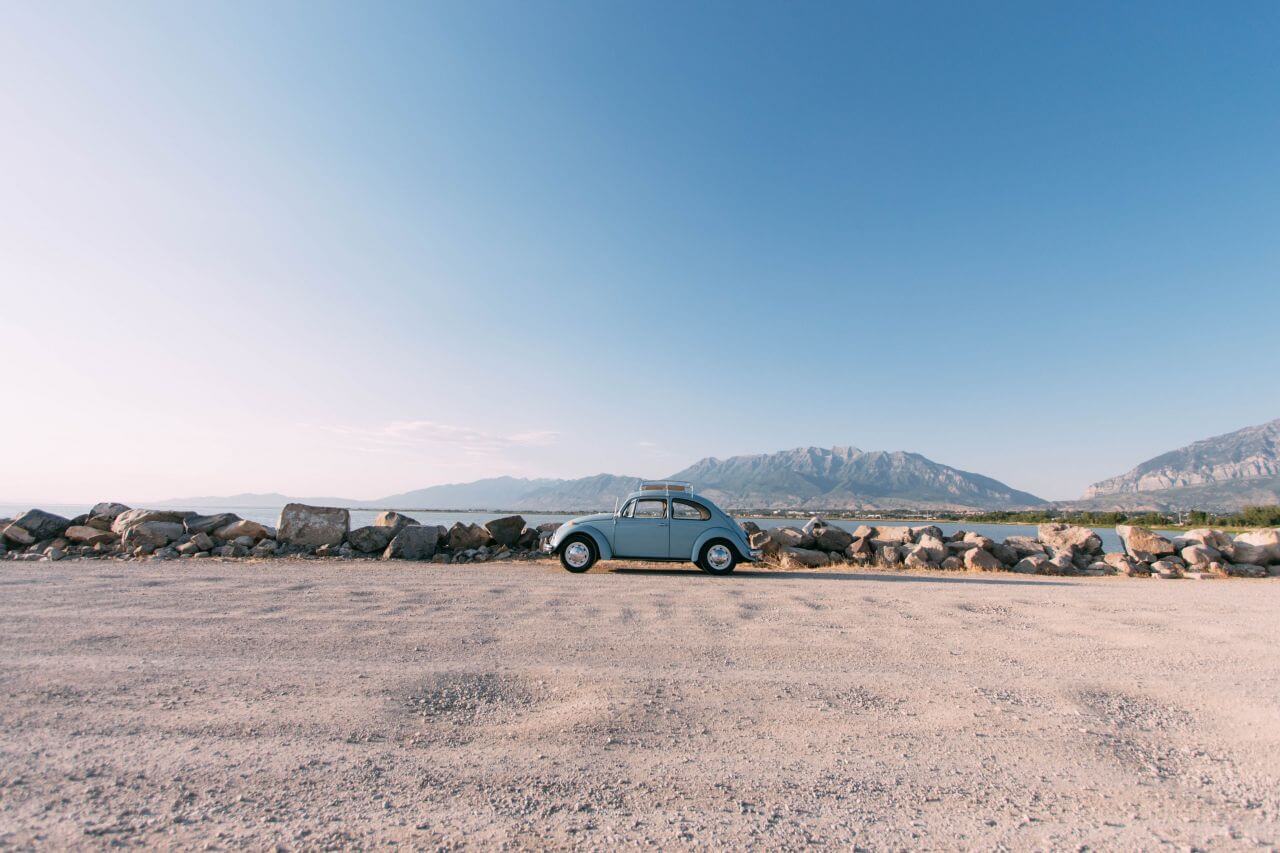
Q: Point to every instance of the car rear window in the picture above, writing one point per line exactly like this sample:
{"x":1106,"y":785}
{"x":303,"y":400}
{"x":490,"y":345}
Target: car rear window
{"x":689,"y":511}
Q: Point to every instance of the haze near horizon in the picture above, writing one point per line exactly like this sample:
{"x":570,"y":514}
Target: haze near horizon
{"x":324,"y":249}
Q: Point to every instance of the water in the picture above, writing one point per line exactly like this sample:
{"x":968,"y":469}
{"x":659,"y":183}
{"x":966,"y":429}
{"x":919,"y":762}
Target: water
{"x":362,"y":517}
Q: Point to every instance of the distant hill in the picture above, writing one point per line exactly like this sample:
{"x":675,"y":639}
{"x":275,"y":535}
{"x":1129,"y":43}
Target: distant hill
{"x":267,"y":500}
{"x":848,"y":478}
{"x":1221,"y":474}
{"x":804,"y":478}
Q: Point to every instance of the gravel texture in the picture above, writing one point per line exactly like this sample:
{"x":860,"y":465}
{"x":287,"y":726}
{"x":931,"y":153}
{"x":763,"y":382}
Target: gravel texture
{"x":325,"y":704}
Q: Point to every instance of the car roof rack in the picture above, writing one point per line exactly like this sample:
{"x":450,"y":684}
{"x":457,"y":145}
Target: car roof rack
{"x":665,"y":486}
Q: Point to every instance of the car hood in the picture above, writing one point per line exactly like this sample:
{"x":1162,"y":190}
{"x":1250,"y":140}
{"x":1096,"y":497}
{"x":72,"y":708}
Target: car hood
{"x":587,"y":519}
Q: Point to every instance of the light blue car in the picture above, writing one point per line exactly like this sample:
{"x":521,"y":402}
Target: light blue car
{"x":658,"y":521}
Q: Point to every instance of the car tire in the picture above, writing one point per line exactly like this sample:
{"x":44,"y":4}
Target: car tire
{"x":718,"y":557}
{"x":572,"y":554}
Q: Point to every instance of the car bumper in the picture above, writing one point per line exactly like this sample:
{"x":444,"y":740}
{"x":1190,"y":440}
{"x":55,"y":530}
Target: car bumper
{"x":756,"y":555}
{"x":546,"y":547}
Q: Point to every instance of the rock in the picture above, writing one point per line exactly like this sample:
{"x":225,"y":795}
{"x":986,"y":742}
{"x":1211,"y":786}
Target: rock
{"x":1215,"y":539}
{"x":396,"y":521}
{"x":959,"y":546}
{"x":981,"y":560}
{"x":85,"y":535}
{"x":413,"y":542}
{"x":917,"y":533}
{"x":1060,"y":564}
{"x":128,"y":519}
{"x":100,"y":522}
{"x":17,"y":535}
{"x":1141,"y":543}
{"x":1265,"y":543}
{"x":983,"y":542}
{"x":1005,"y":554}
{"x":190,"y":548}
{"x":41,"y":524}
{"x":209,"y":523}
{"x":1033,"y":564}
{"x":888,"y":555}
{"x":313,"y":526}
{"x":862,"y":531}
{"x":373,"y":539}
{"x":761,"y":540}
{"x":1099,"y":569}
{"x":55,"y":554}
{"x":953,"y":563}
{"x":549,"y":526}
{"x":1166,"y":569}
{"x":936,"y":548}
{"x":791,"y":537}
{"x":242,"y":527}
{"x":860,"y":548}
{"x":467,"y":537}
{"x":892,"y":536}
{"x":917,"y":557}
{"x":233,"y":550}
{"x":1069,"y":536}
{"x":749,"y":527}
{"x":505,"y":530}
{"x":1025,"y":546}
{"x":151,"y":534}
{"x":804,"y":558}
{"x":201,"y":541}
{"x":1200,"y":555}
{"x":107,"y":510}
{"x":831,"y":538}
{"x":265,"y":548}
{"x":327,"y":551}
{"x":1246,"y":570}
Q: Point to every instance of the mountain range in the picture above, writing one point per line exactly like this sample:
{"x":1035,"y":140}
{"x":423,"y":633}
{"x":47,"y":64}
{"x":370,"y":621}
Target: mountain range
{"x":807,"y":477}
{"x":1219,"y":474}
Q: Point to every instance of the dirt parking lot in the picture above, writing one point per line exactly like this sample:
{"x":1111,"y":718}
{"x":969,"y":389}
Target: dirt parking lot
{"x":314,"y":704}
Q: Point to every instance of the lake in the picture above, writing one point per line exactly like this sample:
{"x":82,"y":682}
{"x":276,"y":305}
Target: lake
{"x":362,"y":517}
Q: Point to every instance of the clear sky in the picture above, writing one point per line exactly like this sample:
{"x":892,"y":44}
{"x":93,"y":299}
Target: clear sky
{"x":355,"y":249}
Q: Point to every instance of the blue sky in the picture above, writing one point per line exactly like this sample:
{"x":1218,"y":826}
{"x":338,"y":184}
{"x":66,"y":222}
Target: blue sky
{"x":357,"y":249}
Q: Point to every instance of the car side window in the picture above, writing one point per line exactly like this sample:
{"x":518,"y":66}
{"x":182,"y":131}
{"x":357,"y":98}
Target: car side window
{"x":689,"y":511}
{"x":649,"y":508}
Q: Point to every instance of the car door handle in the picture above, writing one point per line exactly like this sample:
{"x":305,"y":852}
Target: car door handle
{"x":662,"y":524}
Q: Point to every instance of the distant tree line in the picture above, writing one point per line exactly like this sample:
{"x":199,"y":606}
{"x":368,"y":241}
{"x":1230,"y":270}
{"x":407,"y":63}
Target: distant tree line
{"x":1250,"y":516}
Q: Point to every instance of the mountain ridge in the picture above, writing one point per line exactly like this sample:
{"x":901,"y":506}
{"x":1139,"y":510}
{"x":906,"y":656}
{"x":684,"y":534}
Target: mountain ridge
{"x":841,"y":477}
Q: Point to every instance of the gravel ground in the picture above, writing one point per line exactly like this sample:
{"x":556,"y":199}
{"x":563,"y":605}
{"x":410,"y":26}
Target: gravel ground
{"x":316,"y":704}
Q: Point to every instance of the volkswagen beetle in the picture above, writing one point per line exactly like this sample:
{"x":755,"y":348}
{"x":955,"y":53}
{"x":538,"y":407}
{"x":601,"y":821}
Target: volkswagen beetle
{"x":659,"y":521}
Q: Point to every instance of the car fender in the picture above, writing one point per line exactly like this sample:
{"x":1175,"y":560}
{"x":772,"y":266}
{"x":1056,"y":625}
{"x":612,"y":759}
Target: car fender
{"x":743,"y":549}
{"x":602,"y":541}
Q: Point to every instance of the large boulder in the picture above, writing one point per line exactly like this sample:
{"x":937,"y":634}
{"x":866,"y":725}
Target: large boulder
{"x":108,"y":510}
{"x":1069,"y":537}
{"x":371,"y":539}
{"x":1216,"y":539}
{"x":1004,"y":553}
{"x":1246,"y":570}
{"x":919,"y":533}
{"x":934,"y":547}
{"x":1126,"y":565}
{"x":506,"y":530}
{"x":467,"y":537}
{"x":892,"y":536}
{"x":1264,"y":542}
{"x":413,"y":542}
{"x":1200,"y":555}
{"x":243,"y":527}
{"x":128,"y":519}
{"x":791,"y":537}
{"x":860,"y":549}
{"x":1033,"y":564}
{"x":209,"y":523}
{"x":831,"y":538}
{"x":887,"y":555}
{"x":41,"y":524}
{"x":16,"y":534}
{"x":980,"y":560}
{"x":396,"y":521}
{"x":312,"y":526}
{"x":1142,"y":543}
{"x":918,"y":557}
{"x":151,"y":535}
{"x":1025,"y":546}
{"x":83,"y":534}
{"x":804,"y":558}
{"x":862,"y":531}
{"x":984,"y":542}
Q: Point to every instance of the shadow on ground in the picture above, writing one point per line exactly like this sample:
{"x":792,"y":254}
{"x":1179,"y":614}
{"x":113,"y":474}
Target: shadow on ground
{"x":842,"y":576}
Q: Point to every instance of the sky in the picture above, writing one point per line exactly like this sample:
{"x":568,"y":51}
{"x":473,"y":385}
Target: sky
{"x":356,"y":249}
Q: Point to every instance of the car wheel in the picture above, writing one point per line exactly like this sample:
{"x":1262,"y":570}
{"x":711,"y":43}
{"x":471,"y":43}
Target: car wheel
{"x":578,"y":553}
{"x":718,"y":558}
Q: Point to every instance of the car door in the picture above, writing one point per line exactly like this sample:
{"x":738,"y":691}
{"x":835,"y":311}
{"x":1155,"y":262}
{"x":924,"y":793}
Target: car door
{"x":643,"y":530}
{"x":688,"y":520}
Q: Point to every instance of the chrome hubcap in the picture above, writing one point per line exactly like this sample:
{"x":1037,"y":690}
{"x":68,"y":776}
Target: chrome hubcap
{"x":577,"y":554}
{"x":718,"y":557}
